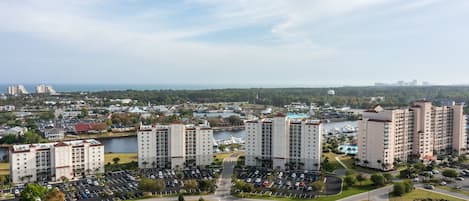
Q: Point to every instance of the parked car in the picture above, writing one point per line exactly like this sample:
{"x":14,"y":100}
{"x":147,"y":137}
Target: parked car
{"x":431,"y":187}
{"x":459,"y":178}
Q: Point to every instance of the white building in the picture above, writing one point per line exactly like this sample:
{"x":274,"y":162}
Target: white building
{"x":45,"y":89}
{"x":18,"y":131}
{"x":174,"y":146}
{"x":331,"y":92}
{"x":54,"y":161}
{"x":16,"y":90}
{"x":420,"y":132}
{"x":7,"y":108}
{"x":54,"y":134}
{"x":281,"y":143}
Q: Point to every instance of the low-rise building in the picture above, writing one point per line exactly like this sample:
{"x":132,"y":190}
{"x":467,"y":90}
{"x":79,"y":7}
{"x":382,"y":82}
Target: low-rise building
{"x":7,"y":108}
{"x":55,"y":161}
{"x":54,"y":134}
{"x":174,"y":146}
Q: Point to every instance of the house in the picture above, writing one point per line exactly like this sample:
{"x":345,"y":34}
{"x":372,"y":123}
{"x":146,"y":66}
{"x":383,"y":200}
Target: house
{"x":92,"y":127}
{"x":54,"y":134}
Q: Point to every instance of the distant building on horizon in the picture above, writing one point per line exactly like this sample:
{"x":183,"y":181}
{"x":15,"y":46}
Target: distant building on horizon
{"x":15,"y":90}
{"x":45,"y":89}
{"x":419,"y":132}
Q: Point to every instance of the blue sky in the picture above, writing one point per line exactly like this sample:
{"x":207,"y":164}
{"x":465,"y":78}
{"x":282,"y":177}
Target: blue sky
{"x":239,"y":42}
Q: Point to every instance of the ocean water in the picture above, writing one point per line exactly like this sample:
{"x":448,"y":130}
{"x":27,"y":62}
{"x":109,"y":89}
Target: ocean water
{"x":31,"y":88}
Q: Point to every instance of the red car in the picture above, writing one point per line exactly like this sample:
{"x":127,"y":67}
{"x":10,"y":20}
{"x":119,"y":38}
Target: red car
{"x":265,"y":184}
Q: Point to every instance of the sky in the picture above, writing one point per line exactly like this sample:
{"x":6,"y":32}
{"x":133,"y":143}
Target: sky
{"x":238,"y":42}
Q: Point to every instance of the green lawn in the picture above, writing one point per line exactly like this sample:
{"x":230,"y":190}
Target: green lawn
{"x":454,"y":190}
{"x":222,"y":156}
{"x":367,"y":186}
{"x":348,"y":161}
{"x":420,"y":194}
{"x":124,"y":157}
{"x":4,"y":168}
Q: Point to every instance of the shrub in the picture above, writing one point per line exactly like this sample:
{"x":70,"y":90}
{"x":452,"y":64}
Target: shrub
{"x":378,"y":179}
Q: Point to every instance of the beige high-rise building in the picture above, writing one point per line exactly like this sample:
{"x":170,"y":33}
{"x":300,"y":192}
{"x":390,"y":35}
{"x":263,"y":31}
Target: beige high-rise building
{"x":175,"y":145}
{"x":45,"y":89}
{"x":284,"y":143}
{"x":53,"y":161}
{"x":15,"y":90}
{"x":421,"y":131}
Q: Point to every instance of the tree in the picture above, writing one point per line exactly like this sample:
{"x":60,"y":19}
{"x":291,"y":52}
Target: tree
{"x":150,"y":185}
{"x":116,"y":160}
{"x":350,"y":180}
{"x":388,"y":177}
{"x":378,"y":179}
{"x":181,"y":197}
{"x":317,"y":185}
{"x":399,"y":189}
{"x":349,"y":172}
{"x":55,"y":195}
{"x":205,"y":185}
{"x":409,"y":185}
{"x":450,"y":173}
{"x":190,"y":184}
{"x":32,"y":192}
{"x":361,"y":178}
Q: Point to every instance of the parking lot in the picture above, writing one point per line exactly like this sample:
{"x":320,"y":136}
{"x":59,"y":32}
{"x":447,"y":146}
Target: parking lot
{"x":123,"y":185}
{"x":113,"y":185}
{"x":295,"y":184}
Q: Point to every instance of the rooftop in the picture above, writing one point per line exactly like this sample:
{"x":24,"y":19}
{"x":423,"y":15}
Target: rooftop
{"x":26,"y":147}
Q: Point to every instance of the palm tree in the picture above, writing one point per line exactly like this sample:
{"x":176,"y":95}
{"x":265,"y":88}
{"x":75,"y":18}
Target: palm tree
{"x":153,"y":164}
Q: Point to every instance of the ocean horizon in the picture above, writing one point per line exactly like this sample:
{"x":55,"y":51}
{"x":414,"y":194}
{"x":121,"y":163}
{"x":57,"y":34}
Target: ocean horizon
{"x":31,"y":88}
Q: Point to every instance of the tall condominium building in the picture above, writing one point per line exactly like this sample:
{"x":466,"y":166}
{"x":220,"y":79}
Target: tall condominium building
{"x":45,"y":89}
{"x":174,"y":146}
{"x":284,"y":143}
{"x":421,"y":131}
{"x":54,"y":161}
{"x":16,"y":90}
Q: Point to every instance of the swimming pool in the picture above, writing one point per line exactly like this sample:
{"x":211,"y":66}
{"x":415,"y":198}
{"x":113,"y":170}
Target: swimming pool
{"x":297,"y":115}
{"x":348,"y":149}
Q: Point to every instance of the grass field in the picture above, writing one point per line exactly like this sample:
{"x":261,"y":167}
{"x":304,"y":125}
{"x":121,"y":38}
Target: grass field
{"x":4,"y":168}
{"x":454,"y":190}
{"x":124,"y":157}
{"x":346,"y":193}
{"x":418,"y":193}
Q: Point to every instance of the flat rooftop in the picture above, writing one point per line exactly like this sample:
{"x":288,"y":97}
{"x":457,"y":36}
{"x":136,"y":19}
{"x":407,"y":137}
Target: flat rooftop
{"x":26,"y":147}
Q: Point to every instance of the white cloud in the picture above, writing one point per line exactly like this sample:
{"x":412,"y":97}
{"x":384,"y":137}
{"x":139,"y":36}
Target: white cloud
{"x":147,"y":35}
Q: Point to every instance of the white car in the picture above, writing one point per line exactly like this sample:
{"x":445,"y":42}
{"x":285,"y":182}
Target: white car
{"x":248,"y":180}
{"x":293,"y":175}
{"x":436,"y":172}
{"x":49,"y":186}
{"x":17,"y":192}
